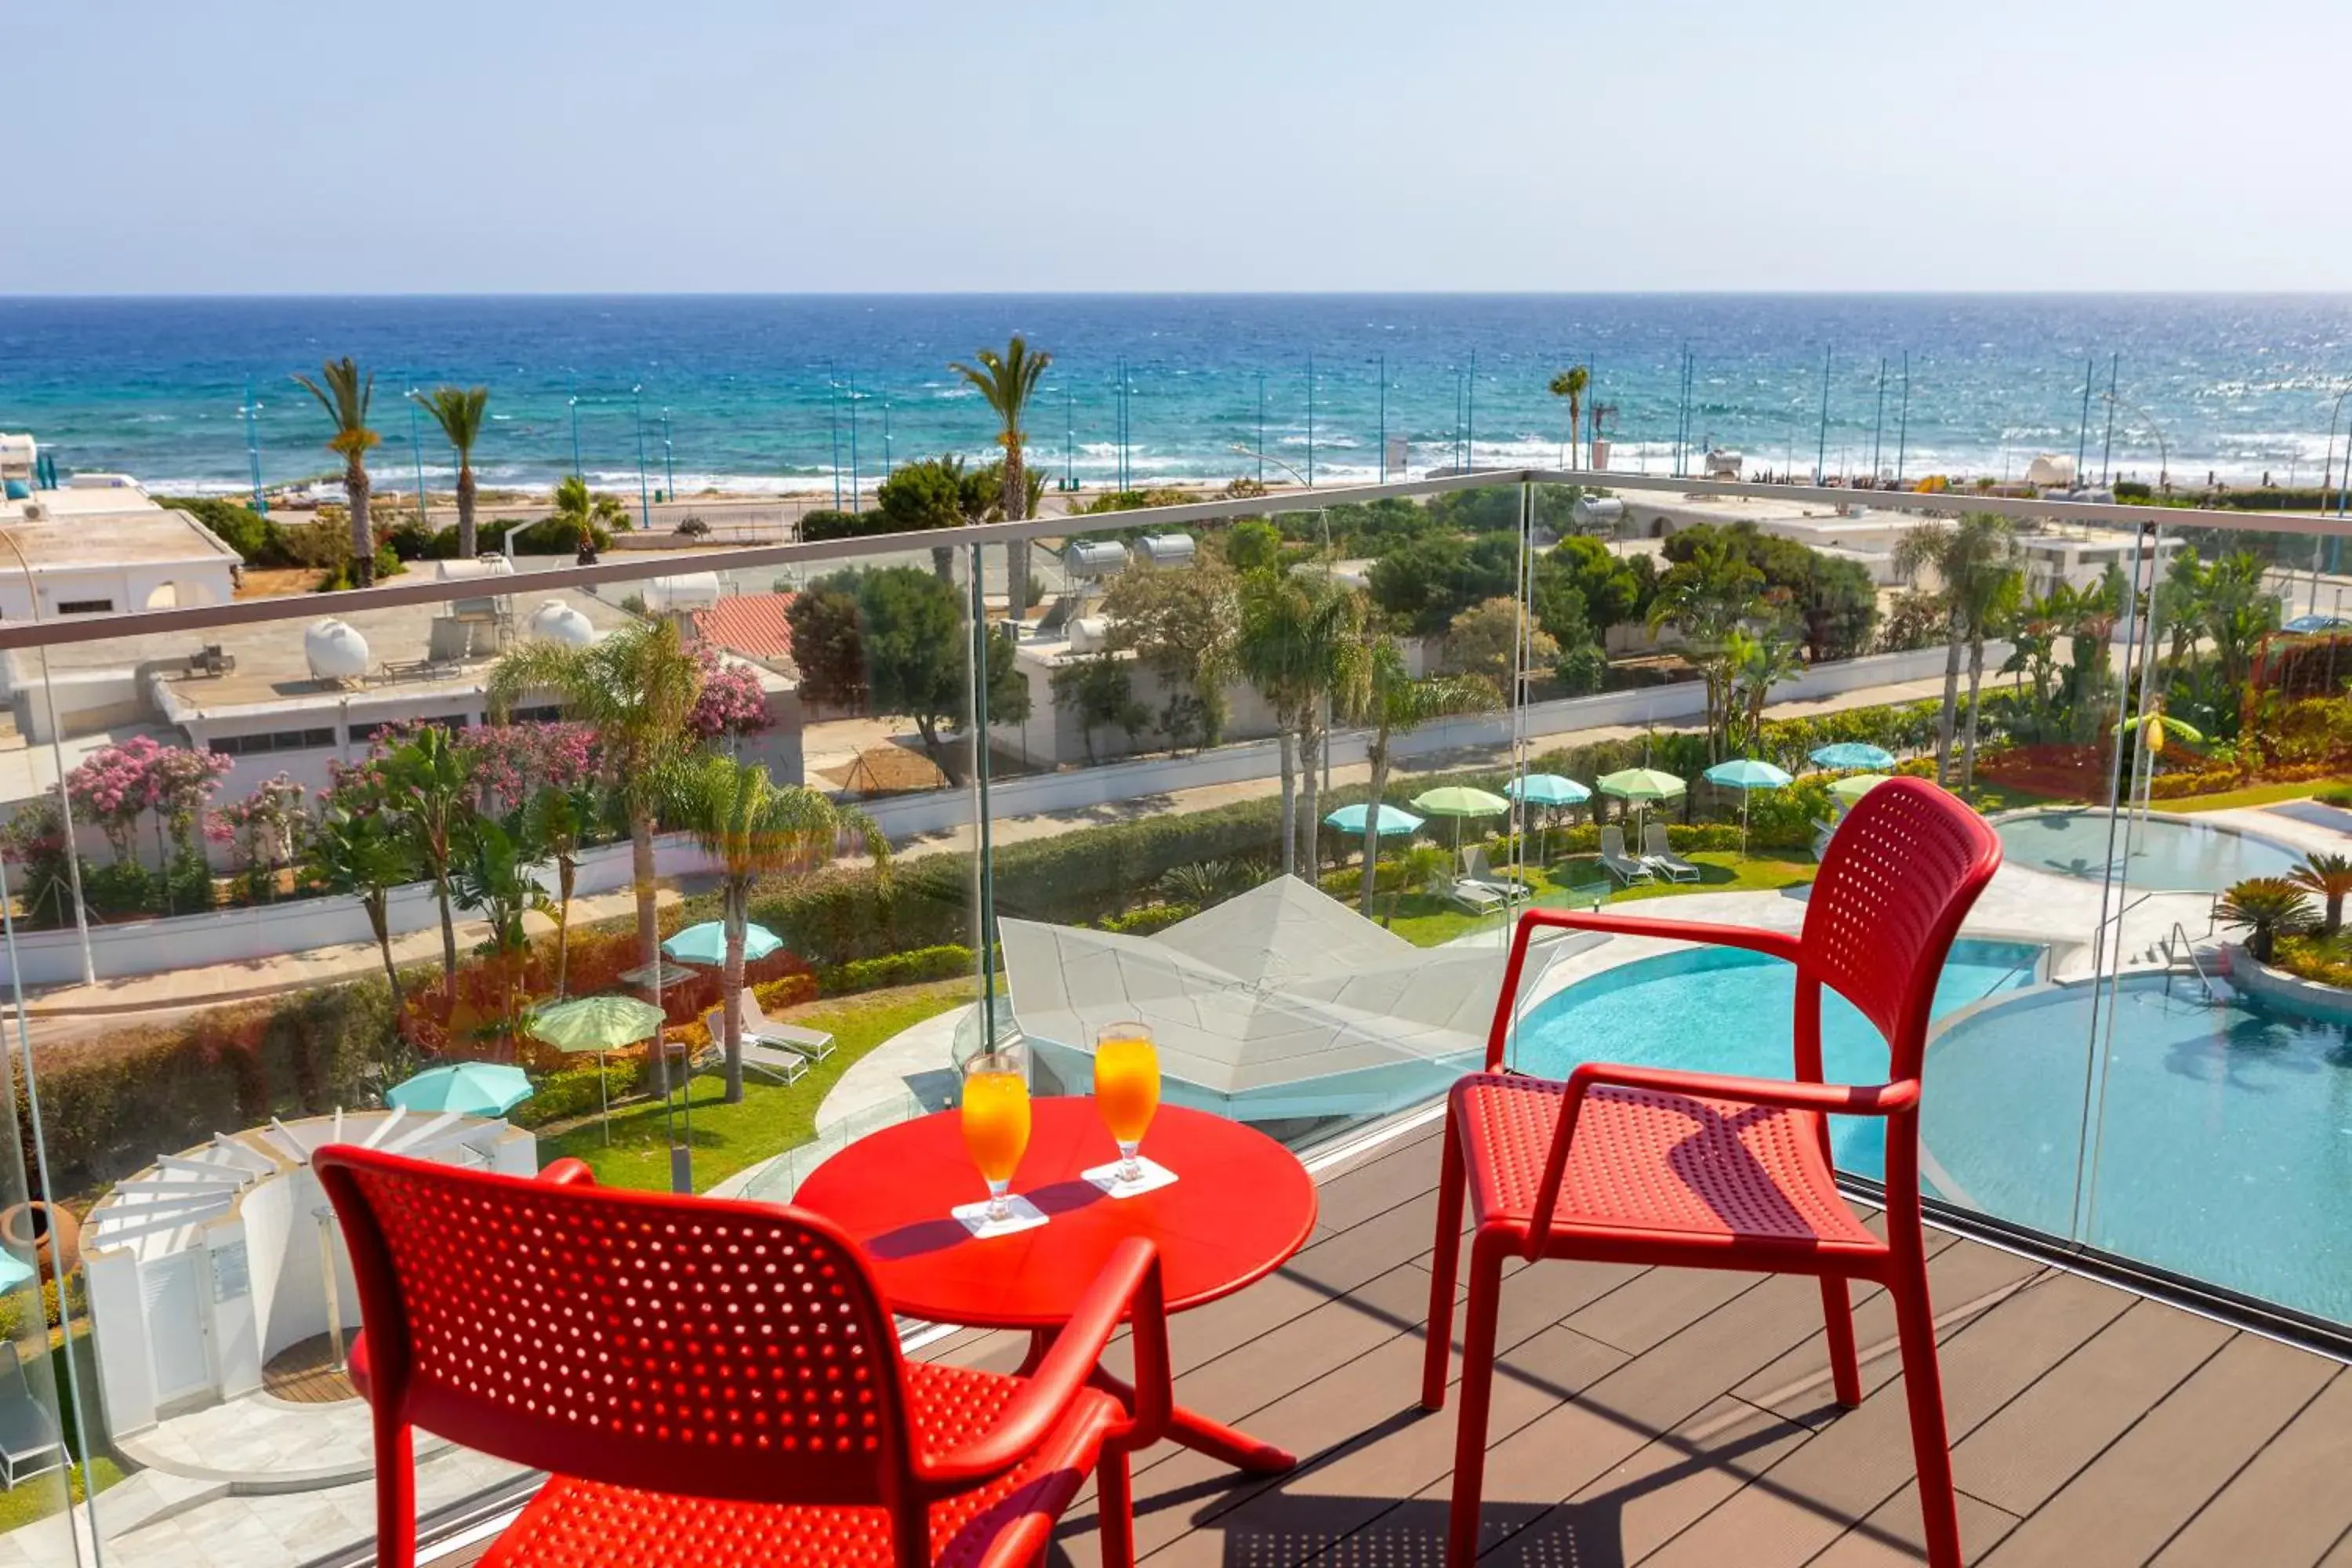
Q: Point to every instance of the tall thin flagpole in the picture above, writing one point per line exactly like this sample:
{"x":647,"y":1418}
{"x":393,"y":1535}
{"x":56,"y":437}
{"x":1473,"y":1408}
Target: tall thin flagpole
{"x":1384,"y":419}
{"x":1470,"y":415}
{"x":1822,"y":452}
{"x":1310,"y":422}
{"x":833,"y":419}
{"x":1878,"y":426}
{"x":1903,"y":425}
{"x":2107,"y":452}
{"x":2083,"y":425}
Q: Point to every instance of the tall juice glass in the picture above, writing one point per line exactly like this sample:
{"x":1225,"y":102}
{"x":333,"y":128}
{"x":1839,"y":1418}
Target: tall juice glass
{"x":996,"y":1123}
{"x":1127,"y":1088}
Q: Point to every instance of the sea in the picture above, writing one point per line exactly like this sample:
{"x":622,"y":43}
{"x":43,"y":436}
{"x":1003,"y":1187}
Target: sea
{"x":782,"y":393}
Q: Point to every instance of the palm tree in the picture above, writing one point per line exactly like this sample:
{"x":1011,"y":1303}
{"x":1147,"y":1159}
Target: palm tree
{"x":751,"y":828}
{"x":585,"y":511}
{"x":1975,"y":562}
{"x":459,"y":411}
{"x":636,"y":687}
{"x":1301,"y":639}
{"x":1008,"y":381}
{"x":1426,"y":867}
{"x":489,"y":872}
{"x":345,"y":398}
{"x":1394,"y":702}
{"x":1758,"y":665}
{"x":361,"y":852}
{"x":2329,"y":876}
{"x":1571,"y":384}
{"x":429,"y":787}
{"x":560,"y":819}
{"x":2268,"y":907}
{"x":1707,"y":598}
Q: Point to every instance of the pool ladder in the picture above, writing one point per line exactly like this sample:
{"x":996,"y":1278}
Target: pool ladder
{"x":2216,"y":990}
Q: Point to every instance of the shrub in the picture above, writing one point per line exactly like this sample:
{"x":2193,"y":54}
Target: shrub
{"x":261,"y":541}
{"x":568,"y":1093}
{"x":559,"y":536}
{"x":1151,"y":918}
{"x":945,"y":962}
{"x":411,"y":540}
{"x":2133,"y":489}
{"x":790,"y":992}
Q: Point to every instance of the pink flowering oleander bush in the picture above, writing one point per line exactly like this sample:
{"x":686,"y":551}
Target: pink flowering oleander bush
{"x":510,"y":762}
{"x":731,"y":703}
{"x":116,"y":784}
{"x":268,"y":828}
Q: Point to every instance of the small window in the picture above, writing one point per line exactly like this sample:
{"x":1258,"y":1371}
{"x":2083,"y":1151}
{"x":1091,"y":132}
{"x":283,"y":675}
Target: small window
{"x":550,"y":714}
{"x":85,"y":606}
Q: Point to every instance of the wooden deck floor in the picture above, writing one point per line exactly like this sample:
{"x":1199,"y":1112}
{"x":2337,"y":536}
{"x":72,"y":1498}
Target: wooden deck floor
{"x":1681,"y":1417}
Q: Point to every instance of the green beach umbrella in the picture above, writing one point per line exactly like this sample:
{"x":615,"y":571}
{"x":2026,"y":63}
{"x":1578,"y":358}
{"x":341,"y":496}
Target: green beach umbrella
{"x":1851,"y":790}
{"x":1396,"y":822}
{"x":597,"y":1024}
{"x":1744,"y":775}
{"x":470,"y":1089}
{"x":707,"y":943}
{"x":1641,"y":786}
{"x":1458,"y":800}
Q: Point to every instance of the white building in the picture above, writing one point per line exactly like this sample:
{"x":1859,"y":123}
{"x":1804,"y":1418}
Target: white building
{"x":97,"y":545}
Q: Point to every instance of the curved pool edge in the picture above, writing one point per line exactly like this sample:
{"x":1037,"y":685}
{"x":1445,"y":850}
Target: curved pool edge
{"x":2201,"y":821}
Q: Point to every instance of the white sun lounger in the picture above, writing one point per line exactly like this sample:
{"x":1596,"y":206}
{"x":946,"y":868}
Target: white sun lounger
{"x":815,"y":1043}
{"x":771,"y":1061}
{"x":1657,"y":854}
{"x":1617,"y":863}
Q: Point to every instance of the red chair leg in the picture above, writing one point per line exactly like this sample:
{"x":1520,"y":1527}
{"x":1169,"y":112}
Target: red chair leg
{"x":1452,"y":1183}
{"x":395,"y":1491}
{"x":1478,"y":1380}
{"x":1923,"y":1383}
{"x":1837,"y":1318}
{"x":1115,"y":1508}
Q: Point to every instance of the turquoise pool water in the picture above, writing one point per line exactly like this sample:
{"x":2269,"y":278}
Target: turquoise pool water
{"x":2224,"y":1144}
{"x":2187,"y":855}
{"x":1720,"y":1010}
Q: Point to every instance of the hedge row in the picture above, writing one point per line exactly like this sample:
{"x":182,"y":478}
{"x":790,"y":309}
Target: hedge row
{"x":948,"y":961}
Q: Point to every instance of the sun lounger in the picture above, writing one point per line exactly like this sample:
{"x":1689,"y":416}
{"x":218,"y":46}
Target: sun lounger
{"x":815,"y":1043}
{"x":28,"y":1433}
{"x":1659,"y":856}
{"x":770,"y":1062}
{"x":1822,"y":833}
{"x":1476,"y":867}
{"x":1475,"y":898}
{"x":1617,"y":863}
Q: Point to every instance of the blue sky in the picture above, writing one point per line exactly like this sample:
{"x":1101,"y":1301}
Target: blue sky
{"x":877,"y":146}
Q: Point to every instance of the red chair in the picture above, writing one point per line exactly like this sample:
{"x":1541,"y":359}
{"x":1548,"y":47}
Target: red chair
{"x":712,"y":1383}
{"x":1641,"y":1165}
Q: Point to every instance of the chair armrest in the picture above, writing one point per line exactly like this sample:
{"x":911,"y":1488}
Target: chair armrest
{"x":568,"y":1173}
{"x":1755,"y":938}
{"x":1847,"y":1100}
{"x":1127,"y":1288}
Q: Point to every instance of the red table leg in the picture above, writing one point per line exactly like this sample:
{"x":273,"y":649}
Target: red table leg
{"x":1188,"y":1428}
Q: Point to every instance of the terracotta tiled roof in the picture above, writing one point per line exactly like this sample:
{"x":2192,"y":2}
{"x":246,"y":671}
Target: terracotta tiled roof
{"x":752,"y":625}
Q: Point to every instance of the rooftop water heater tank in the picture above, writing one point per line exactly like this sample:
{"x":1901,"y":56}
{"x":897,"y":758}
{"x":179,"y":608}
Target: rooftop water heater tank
{"x":558,"y":622}
{"x":687,"y":591}
{"x":1098,"y":558}
{"x":1089,"y":634}
{"x":1723,"y":464}
{"x":1597,"y":512}
{"x":335,"y":650}
{"x":1166,"y":548}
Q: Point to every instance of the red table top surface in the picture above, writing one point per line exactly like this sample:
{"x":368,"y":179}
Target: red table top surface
{"x":1240,"y":1205}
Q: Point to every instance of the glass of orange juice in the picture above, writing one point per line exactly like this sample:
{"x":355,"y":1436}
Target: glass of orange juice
{"x":996,"y":1121}
{"x":1127,"y":1088}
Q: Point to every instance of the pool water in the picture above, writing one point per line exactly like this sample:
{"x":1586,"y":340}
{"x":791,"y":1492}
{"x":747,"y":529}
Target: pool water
{"x":2224,"y":1143}
{"x":2192,"y":857}
{"x":1723,"y":1010}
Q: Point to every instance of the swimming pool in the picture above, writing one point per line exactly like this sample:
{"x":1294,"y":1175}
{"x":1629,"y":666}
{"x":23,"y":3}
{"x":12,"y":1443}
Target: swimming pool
{"x":1723,"y":1010}
{"x":2224,"y":1143}
{"x":2165,"y":852}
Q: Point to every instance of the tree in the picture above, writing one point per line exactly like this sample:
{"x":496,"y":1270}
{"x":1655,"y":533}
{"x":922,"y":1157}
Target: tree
{"x":2266,"y":907}
{"x":752,"y":827}
{"x":827,"y":649}
{"x":1392,"y":703}
{"x":1007,"y":381}
{"x":346,"y":397}
{"x":933,"y":493}
{"x":1759,"y":663}
{"x":1300,"y":641}
{"x":1975,"y":563}
{"x":1183,"y":625}
{"x":2330,"y":877}
{"x":583,"y":516}
{"x":489,"y":873}
{"x":1615,"y":589}
{"x":563,"y":819}
{"x":636,"y":688}
{"x":459,"y":411}
{"x":916,"y":648}
{"x":1571,"y":384}
{"x":1099,"y":692}
{"x":357,"y":850}
{"x":1485,"y":640}
{"x":1253,"y":544}
{"x":429,"y":784}
{"x":1705,"y":598}
{"x":1427,"y":581}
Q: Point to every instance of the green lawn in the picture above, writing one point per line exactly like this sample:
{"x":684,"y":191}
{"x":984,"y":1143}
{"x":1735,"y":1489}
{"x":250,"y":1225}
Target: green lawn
{"x":42,"y":1496}
{"x":1426,"y":920}
{"x":2253,"y":795}
{"x":770,"y":1119}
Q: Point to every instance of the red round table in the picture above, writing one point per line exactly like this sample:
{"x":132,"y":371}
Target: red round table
{"x":1240,"y":1205}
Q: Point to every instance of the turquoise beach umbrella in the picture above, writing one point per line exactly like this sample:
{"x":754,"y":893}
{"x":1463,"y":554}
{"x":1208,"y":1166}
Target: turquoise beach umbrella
{"x":1744,"y":775}
{"x":470,"y":1089}
{"x":1853,"y":754}
{"x":1396,"y":822}
{"x":707,"y":943}
{"x":1546,"y":789}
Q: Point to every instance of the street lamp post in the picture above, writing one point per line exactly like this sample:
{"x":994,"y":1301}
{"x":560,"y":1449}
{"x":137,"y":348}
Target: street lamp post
{"x":416,"y":455}
{"x":1902,"y":423}
{"x":253,"y":450}
{"x":1261,"y":427}
{"x":2163,"y":447}
{"x":851,"y":394}
{"x":670,"y":459}
{"x":1822,"y":449}
{"x":1310,"y":422}
{"x":1384,"y":418}
{"x":2327,"y":469}
{"x":645,"y":499}
{"x":575,"y":434}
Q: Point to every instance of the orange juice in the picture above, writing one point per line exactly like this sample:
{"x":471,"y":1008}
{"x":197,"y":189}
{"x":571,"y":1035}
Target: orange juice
{"x":1126,"y":1087}
{"x":996,"y":1124}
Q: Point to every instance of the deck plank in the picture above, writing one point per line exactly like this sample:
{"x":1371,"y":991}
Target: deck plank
{"x":2292,"y":1497}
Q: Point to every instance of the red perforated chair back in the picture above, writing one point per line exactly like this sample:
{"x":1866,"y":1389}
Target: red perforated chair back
{"x":1901,"y":872}
{"x":682,"y":1346}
